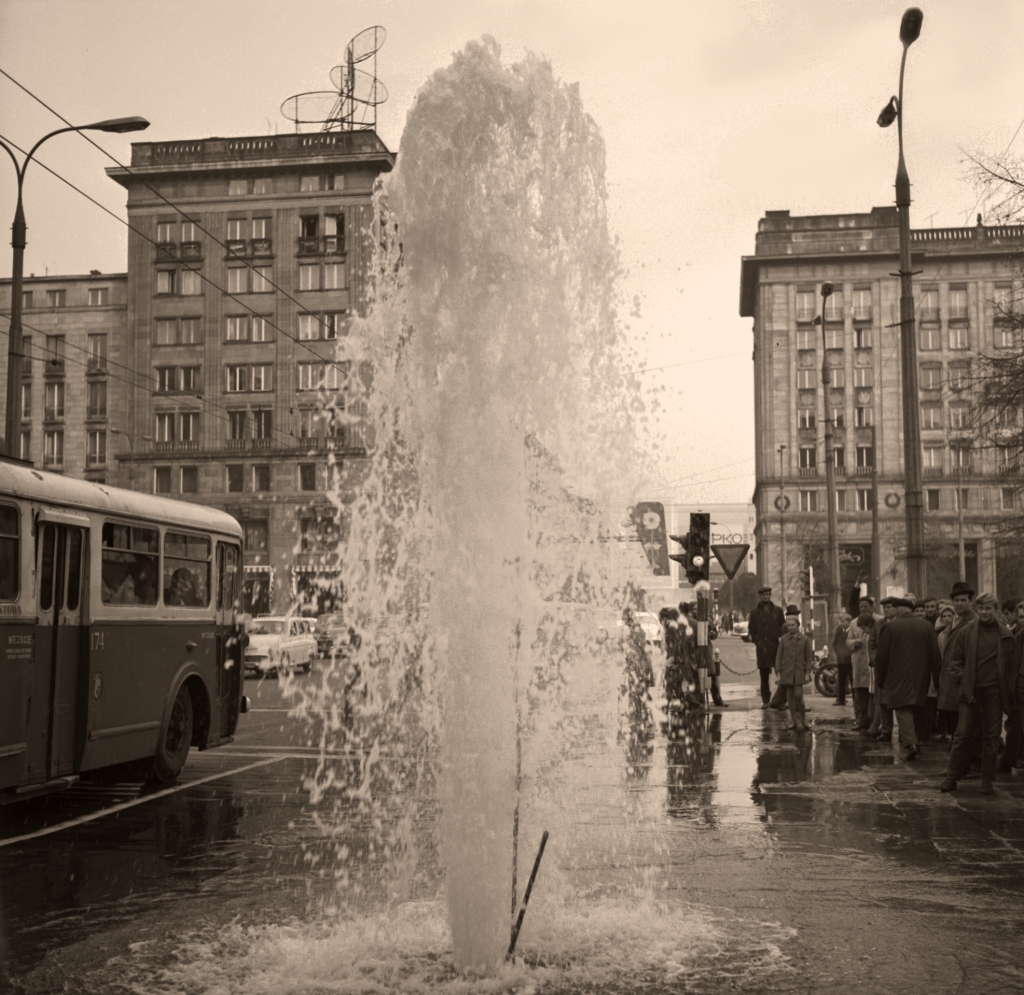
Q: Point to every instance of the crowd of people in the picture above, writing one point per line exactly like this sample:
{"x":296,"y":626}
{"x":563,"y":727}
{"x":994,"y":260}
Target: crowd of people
{"x":945,"y":671}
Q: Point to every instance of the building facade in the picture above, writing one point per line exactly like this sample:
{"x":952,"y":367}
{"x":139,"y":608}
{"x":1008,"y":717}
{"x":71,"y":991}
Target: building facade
{"x":74,"y":329}
{"x":247,"y":259}
{"x":961,"y":278}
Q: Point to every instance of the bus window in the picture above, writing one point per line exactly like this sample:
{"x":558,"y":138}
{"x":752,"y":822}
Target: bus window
{"x":227,"y":591}
{"x":129,"y":564}
{"x":10,"y":553}
{"x":74,"y":568}
{"x":46,"y":568}
{"x":186,"y":570}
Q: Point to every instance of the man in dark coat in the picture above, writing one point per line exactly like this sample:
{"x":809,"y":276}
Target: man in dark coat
{"x":908,"y":659}
{"x":984,"y":663}
{"x":767,"y":621}
{"x":882,"y":719}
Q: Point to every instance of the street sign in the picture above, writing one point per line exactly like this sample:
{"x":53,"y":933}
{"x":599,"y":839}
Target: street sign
{"x":731,"y":557}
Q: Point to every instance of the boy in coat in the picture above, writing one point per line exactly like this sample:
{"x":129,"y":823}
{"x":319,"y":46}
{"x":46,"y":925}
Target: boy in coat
{"x":793,"y":662}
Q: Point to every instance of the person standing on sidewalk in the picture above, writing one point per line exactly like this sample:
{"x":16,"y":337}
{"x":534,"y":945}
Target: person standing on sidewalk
{"x":844,"y":658}
{"x":908,"y":657}
{"x":949,"y":687}
{"x":857,"y":639}
{"x":881,"y":717}
{"x":794,"y":661}
{"x":984,"y":663}
{"x":765,"y":629}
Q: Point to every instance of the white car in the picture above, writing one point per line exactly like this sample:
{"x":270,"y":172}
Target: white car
{"x":280,"y":644}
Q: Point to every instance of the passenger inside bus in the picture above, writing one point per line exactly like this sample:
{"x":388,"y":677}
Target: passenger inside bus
{"x":183,"y":589}
{"x":127,"y":581}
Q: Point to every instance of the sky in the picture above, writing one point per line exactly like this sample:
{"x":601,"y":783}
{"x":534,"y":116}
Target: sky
{"x":712,"y":113}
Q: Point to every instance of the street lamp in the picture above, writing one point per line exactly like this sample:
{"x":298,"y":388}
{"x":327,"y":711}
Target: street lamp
{"x":131,"y":448}
{"x":118,"y":125}
{"x":830,"y":480}
{"x":910,"y":30}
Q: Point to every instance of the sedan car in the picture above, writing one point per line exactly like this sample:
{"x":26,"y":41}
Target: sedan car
{"x":279,"y":644}
{"x":333,"y":635}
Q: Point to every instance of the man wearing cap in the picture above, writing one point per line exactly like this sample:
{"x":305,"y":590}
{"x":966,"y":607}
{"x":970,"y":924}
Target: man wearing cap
{"x":984,"y":663}
{"x":949,"y":687}
{"x":881,"y":718}
{"x":765,"y":628}
{"x":908,"y":657}
{"x":857,"y":639}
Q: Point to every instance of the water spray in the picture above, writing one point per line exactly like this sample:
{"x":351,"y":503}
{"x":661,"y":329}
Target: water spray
{"x":526,"y":898}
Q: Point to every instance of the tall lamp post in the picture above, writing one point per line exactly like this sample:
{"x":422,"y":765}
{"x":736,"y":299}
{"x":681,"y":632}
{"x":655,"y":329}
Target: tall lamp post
{"x":118,"y":125}
{"x":830,"y":480}
{"x":910,"y":30}
{"x":782,"y":523}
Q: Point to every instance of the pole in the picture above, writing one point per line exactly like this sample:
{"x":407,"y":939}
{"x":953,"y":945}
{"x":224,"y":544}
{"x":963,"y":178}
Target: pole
{"x":14,"y":339}
{"x":782,"y":526}
{"x":960,"y":520}
{"x":908,"y":353}
{"x":526,"y":898}
{"x":830,"y":482}
{"x":876,"y":540}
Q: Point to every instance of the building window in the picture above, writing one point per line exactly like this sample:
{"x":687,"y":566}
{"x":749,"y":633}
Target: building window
{"x":260,"y":329}
{"x":165,"y":281}
{"x":931,"y":377}
{"x":237,"y":280}
{"x":97,"y":404}
{"x":261,"y":227}
{"x":164,"y":232}
{"x":309,"y":327}
{"x":189,"y":426}
{"x":98,"y":296}
{"x":307,"y":476}
{"x":53,"y":401}
{"x":808,"y":457}
{"x":961,"y":498}
{"x":165,"y":427}
{"x":839,"y":457}
{"x":839,"y":417}
{"x":26,"y":351}
{"x":238,"y":379}
{"x":805,"y":418}
{"x":262,"y":423}
{"x":326,"y":326}
{"x":805,"y":338}
{"x":237,"y":329}
{"x":933,"y":500}
{"x":261,"y":377}
{"x":26,"y":299}
{"x":959,"y":376}
{"x":927,"y":302}
{"x":55,"y":345}
{"x":234,"y":478}
{"x":26,"y":401}
{"x":862,"y":417}
{"x":97,"y":352}
{"x":166,"y":331}
{"x":840,"y":500}
{"x":837,"y":375}
{"x":55,"y":298}
{"x":334,"y":324}
{"x":262,"y":185}
{"x":862,"y":336}
{"x":189,"y":232}
{"x":261,"y":477}
{"x":865,"y":456}
{"x":188,"y":378}
{"x":334,"y":276}
{"x":933,"y":459}
{"x":188,"y":331}
{"x":930,"y":338}
{"x":309,"y":184}
{"x":863,"y":376}
{"x":53,"y":449}
{"x":161,"y":480}
{"x":834,"y":306}
{"x":961,"y":457}
{"x":862,"y":305}
{"x":957,"y":303}
{"x":166,"y":379}
{"x":834,"y":337}
{"x":334,"y":231}
{"x":931,"y":415}
{"x":96,"y":451}
{"x":808,"y":500}
{"x":236,"y":229}
{"x":805,"y":379}
{"x":959,"y":337}
{"x":865,"y":499}
{"x":238,"y":188}
{"x":959,"y":416}
{"x":261,"y":280}
{"x":311,"y":376}
{"x":236,"y":423}
{"x":26,"y":446}
{"x":190,"y":480}
{"x":255,"y":535}
{"x":309,"y":277}
{"x":1006,"y":499}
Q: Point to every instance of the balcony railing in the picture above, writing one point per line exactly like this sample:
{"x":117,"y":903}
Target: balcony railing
{"x":236,"y":246}
{"x":932,"y":471}
{"x":808,"y":471}
{"x":166,"y":251}
{"x":864,"y":471}
{"x":237,"y":443}
{"x":191,"y":250}
{"x":320,"y":245}
{"x":262,"y":443}
{"x":261,"y":246}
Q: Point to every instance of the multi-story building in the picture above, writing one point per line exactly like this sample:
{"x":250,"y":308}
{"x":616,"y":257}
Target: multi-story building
{"x":960,"y":276}
{"x":74,"y":331}
{"x":247,"y":257}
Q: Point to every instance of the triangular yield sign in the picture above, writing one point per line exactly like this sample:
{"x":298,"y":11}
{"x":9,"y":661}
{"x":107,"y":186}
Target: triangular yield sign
{"x":730,"y":556}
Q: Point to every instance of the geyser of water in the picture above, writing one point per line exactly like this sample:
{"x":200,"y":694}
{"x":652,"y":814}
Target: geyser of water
{"x":503,"y":434}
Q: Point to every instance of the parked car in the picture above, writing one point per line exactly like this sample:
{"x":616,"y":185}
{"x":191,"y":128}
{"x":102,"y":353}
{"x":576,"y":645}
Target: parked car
{"x":742,"y":630}
{"x":279,"y":644}
{"x":333,"y":635}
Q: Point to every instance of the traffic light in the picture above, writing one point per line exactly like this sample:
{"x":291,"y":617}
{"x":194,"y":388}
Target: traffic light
{"x":680,"y":558}
{"x":808,"y":582}
{"x":698,"y":549}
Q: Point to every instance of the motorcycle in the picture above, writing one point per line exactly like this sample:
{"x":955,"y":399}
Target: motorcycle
{"x":825,"y":673}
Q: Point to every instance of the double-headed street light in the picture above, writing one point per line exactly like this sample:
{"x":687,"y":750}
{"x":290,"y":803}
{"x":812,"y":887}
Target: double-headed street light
{"x":118,"y":125}
{"x":910,"y":30}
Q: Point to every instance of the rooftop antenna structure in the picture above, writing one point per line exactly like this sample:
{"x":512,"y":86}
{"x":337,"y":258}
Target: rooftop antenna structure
{"x":352,"y":104}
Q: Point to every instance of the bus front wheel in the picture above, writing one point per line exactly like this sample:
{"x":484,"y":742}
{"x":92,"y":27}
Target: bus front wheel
{"x":175,"y":738}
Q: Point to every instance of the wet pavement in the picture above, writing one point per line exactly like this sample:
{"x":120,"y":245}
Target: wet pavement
{"x":719,"y":853}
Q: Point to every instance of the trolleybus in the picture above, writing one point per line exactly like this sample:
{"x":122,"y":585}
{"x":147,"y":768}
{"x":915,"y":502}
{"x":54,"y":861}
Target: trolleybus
{"x":119,"y":639}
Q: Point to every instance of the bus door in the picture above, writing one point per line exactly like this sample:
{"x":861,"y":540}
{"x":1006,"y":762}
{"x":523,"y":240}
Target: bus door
{"x":230,"y":652}
{"x":62,"y":544}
